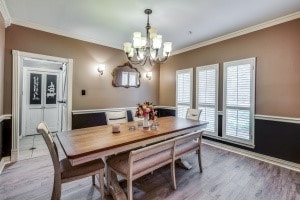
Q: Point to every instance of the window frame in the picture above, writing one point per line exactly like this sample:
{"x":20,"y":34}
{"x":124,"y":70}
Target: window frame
{"x":203,"y":68}
{"x":189,"y":70}
{"x":252,"y":62}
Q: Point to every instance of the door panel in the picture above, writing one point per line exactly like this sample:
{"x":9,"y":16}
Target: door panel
{"x":51,"y":117}
{"x":42,"y":91}
{"x":34,"y":116}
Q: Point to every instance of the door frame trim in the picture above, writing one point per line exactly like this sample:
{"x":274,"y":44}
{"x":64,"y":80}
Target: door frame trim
{"x":17,"y":89}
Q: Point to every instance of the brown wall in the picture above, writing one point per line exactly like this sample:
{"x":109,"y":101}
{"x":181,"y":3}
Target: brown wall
{"x":277,"y":50}
{"x":99,"y":90}
{"x":2,"y":47}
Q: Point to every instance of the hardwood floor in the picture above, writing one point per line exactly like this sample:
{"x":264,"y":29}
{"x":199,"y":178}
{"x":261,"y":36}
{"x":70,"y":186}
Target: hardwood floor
{"x":225,"y":176}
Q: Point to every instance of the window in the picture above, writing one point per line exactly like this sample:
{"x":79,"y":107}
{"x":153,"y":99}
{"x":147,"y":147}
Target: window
{"x":207,"y":95}
{"x":129,"y":78}
{"x":124,"y":78}
{"x":184,"y":91}
{"x":238,"y":100}
{"x":132,"y":79}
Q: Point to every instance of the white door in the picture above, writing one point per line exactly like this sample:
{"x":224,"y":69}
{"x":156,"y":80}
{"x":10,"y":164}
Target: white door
{"x":42,"y":90}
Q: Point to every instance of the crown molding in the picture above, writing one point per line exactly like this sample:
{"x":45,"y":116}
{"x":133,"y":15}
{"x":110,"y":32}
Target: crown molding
{"x":60,"y":32}
{"x":5,"y":13}
{"x":250,"y":29}
{"x":8,"y":21}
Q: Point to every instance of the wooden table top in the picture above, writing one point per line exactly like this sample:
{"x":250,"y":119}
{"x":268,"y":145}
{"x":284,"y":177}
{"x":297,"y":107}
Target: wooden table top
{"x":83,"y":142}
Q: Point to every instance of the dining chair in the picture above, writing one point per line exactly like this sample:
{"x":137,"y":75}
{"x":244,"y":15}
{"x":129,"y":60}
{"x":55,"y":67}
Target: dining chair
{"x":189,"y":143}
{"x":116,"y":117}
{"x":193,"y":114}
{"x":140,"y":162}
{"x":64,"y":171}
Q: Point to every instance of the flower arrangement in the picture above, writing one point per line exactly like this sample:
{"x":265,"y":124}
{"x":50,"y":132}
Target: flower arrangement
{"x":143,"y":109}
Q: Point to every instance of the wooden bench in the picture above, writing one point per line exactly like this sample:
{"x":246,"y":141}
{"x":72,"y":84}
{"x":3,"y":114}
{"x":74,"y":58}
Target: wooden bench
{"x":142,"y":161}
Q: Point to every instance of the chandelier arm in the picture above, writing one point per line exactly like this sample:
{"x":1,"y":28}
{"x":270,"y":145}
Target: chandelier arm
{"x":144,"y":61}
{"x":152,"y":62}
{"x":133,"y":61}
{"x":164,"y":59}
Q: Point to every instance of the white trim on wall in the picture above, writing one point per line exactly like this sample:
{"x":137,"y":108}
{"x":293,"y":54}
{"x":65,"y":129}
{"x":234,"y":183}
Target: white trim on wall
{"x":4,"y":117}
{"x":9,"y":20}
{"x":245,"y":31}
{"x":78,"y":112}
{"x":273,"y":118}
{"x":17,"y":88}
{"x":4,"y":161}
{"x":278,"y":118}
{"x":5,"y":13}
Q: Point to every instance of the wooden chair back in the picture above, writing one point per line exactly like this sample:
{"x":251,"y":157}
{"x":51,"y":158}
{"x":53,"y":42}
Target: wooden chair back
{"x":116,"y":117}
{"x":194,"y":136}
{"x":193,"y":114}
{"x":44,"y":130}
{"x":149,"y":151}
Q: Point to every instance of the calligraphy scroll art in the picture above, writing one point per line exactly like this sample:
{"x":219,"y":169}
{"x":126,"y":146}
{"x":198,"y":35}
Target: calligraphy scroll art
{"x":51,"y":89}
{"x":35,"y":88}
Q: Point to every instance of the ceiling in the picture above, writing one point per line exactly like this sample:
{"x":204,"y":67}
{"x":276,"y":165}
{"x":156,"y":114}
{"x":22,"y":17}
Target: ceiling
{"x":112,"y":22}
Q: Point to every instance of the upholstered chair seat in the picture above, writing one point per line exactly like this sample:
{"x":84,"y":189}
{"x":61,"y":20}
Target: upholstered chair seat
{"x":69,"y":171}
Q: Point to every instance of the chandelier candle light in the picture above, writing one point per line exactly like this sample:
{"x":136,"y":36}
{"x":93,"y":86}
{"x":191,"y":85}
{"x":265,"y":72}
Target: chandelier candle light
{"x":147,"y":48}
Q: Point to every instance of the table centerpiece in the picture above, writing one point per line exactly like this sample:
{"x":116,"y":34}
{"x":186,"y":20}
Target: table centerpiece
{"x":147,"y":111}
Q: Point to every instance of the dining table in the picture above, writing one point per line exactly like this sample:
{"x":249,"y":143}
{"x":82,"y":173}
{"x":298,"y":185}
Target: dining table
{"x":99,"y":142}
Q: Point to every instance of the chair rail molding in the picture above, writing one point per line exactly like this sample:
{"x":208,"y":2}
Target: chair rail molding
{"x":275,"y":118}
{"x":17,"y":88}
{"x":4,"y":117}
{"x":78,"y":112}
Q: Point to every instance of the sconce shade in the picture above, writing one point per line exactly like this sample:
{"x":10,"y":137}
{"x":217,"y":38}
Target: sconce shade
{"x":149,"y":75}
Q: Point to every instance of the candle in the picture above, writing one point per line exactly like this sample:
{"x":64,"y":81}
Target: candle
{"x":116,"y":128}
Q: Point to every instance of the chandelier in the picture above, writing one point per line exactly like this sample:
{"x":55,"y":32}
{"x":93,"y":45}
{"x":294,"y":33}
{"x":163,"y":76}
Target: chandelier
{"x":147,"y":48}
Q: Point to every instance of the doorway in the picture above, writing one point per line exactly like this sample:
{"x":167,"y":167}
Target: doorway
{"x":41,"y":92}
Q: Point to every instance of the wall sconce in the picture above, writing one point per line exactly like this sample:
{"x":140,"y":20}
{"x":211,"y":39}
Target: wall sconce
{"x":149,"y":75}
{"x":101,"y":69}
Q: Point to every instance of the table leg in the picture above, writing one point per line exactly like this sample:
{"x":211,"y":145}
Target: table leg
{"x":183,"y":164}
{"x":115,"y":189}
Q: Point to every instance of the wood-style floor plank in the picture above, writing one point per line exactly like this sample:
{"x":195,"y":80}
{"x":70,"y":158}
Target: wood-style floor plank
{"x":225,"y":176}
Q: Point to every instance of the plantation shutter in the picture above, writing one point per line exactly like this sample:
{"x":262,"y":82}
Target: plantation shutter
{"x":238,"y":105}
{"x":184,"y":88}
{"x":207,"y":95}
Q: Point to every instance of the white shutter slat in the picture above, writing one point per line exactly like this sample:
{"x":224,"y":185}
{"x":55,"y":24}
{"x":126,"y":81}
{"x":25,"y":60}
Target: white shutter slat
{"x":183,"y":91}
{"x":238,"y":98}
{"x":207,"y":95}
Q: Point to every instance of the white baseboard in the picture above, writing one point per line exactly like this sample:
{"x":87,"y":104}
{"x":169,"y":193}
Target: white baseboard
{"x":3,"y":162}
{"x":268,"y":159}
{"x":14,"y":155}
